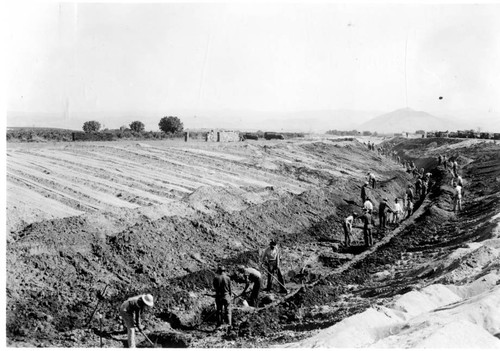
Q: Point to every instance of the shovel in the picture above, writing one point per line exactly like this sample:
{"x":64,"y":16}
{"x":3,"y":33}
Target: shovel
{"x":140,"y":331}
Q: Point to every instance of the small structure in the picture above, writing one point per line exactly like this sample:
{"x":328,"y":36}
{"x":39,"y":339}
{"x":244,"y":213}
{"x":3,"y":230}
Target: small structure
{"x":222,"y":136}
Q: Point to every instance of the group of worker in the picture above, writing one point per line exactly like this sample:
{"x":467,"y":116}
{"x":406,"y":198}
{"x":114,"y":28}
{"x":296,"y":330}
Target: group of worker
{"x":457,"y":182}
{"x":132,"y":309}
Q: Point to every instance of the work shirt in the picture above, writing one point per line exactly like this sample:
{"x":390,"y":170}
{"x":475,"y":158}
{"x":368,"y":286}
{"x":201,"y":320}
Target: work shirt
{"x":368,"y":205}
{"x":131,"y":306}
{"x":383,"y":207}
{"x":418,"y":183}
{"x":367,"y":220}
{"x":458,"y":192}
{"x":409,"y":193}
{"x":348,"y":222}
{"x":222,"y":286}
{"x":271,"y":255}
{"x":251,"y":274}
{"x":371,"y":176}
{"x":397,"y":208}
{"x":458,"y":180}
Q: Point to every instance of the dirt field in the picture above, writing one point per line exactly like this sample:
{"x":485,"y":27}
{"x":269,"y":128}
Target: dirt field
{"x":90,"y":224}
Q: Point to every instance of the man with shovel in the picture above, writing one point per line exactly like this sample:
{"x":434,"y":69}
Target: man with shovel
{"x":131,"y":311}
{"x":271,"y":263}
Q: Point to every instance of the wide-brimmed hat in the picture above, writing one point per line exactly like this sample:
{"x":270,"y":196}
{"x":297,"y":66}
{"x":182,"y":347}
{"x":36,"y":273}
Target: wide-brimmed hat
{"x":148,"y":299}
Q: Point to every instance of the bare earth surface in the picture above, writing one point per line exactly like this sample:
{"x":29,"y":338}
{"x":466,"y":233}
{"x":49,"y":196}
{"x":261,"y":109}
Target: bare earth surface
{"x":90,"y":224}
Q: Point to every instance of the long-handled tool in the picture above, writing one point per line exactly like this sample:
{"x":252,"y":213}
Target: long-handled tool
{"x":272,"y":275}
{"x":152,"y":344}
{"x":95,"y":309}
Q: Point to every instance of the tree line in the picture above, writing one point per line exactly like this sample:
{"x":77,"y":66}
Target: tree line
{"x":168,"y":124}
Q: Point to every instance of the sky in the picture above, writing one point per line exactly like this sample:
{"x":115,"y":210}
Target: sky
{"x":118,"y":62}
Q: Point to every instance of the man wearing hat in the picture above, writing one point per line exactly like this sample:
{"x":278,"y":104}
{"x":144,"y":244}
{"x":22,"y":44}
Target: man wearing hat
{"x":131,"y":311}
{"x":222,"y":287}
{"x":271,"y":259}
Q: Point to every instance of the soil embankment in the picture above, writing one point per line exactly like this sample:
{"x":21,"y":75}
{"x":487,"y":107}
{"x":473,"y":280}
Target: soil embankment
{"x":109,"y":220}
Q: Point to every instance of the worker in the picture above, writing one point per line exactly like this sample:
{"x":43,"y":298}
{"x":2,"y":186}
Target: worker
{"x":383,"y":208}
{"x":454,"y":166}
{"x":371,"y":179}
{"x":398,"y":211}
{"x":131,"y":311}
{"x":368,"y":206}
{"x":347,"y":225}
{"x":440,"y":160}
{"x":458,"y":179}
{"x":271,"y":259}
{"x":424,"y":186}
{"x":409,"y":194}
{"x":457,"y":197}
{"x":223,"y":294}
{"x":251,"y":275}
{"x":367,"y":228}
{"x":418,"y":187}
{"x":445,"y":162}
{"x":409,"y":208}
{"x":363,"y":192}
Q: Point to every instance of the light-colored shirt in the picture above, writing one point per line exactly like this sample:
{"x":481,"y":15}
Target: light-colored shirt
{"x":458,"y":192}
{"x":252,"y":274}
{"x":270,"y":254}
{"x":348,"y":221}
{"x":131,"y":305}
{"x":368,"y":205}
{"x":397,"y":207}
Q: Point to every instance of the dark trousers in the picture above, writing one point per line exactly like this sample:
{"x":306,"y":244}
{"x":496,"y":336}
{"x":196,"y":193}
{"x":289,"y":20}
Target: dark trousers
{"x":272,"y":267}
{"x":223,"y":310}
{"x":368,"y":236}
{"x":254,"y":296}
{"x":373,"y":183}
{"x":347,"y":235}
{"x":382,"y":217}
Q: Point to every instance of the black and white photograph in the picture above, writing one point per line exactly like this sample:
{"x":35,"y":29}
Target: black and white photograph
{"x":247,"y":175}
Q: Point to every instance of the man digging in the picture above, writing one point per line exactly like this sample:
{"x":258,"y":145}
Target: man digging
{"x":131,"y":311}
{"x":251,"y":275}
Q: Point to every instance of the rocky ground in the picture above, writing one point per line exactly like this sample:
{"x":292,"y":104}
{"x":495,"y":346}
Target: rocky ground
{"x":90,"y":224}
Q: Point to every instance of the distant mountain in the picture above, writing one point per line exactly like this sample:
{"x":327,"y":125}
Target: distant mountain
{"x":407,"y":120}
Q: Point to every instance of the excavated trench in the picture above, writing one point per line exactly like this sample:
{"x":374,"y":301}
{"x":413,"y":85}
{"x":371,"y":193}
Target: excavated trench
{"x":63,"y":285}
